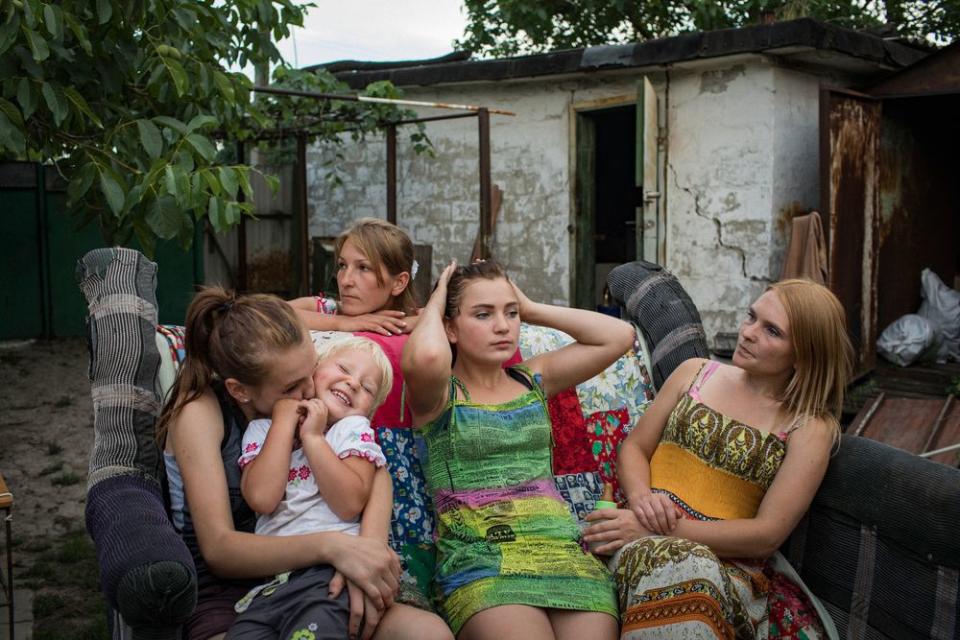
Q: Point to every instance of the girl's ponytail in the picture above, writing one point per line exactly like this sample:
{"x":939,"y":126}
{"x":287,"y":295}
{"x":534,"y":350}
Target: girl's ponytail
{"x":229,"y":336}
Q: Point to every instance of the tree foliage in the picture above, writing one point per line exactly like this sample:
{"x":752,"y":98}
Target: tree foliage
{"x":511,"y":27}
{"x":132,"y":101}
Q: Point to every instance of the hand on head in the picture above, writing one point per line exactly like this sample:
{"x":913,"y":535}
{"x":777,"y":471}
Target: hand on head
{"x":438,"y":299}
{"x":525,"y":302}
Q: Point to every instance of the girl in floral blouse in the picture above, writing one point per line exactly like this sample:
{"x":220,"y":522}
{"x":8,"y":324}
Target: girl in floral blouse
{"x":310,"y":468}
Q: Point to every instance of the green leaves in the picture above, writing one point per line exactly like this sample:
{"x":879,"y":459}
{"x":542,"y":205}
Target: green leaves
{"x":8,"y":32}
{"x":177,"y":74}
{"x":228,"y":181}
{"x":150,"y":138}
{"x":27,"y":96}
{"x":38,"y":46}
{"x":113,"y":191}
{"x":104,"y":11}
{"x":529,"y":26}
{"x":202,"y":146}
{"x":56,"y":102}
{"x":53,"y":20}
{"x":11,"y":125}
{"x":132,"y":101}
{"x":224,"y":86}
{"x":81,"y":104}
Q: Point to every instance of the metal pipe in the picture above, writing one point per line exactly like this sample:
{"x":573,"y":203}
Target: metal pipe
{"x":486,"y":208}
{"x":929,"y":454}
{"x":392,"y":174}
{"x":938,"y":423}
{"x":872,"y":410}
{"x":357,"y":98}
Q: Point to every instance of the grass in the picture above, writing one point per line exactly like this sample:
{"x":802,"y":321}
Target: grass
{"x":67,"y":603}
{"x":53,"y":467}
{"x":66,"y":479}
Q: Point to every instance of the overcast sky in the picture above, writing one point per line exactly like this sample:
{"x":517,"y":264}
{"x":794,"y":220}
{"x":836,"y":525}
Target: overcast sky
{"x":375,"y":30}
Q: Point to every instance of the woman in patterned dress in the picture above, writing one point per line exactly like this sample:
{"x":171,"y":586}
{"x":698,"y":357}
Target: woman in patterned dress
{"x":721,"y":468}
{"x":510,"y":560}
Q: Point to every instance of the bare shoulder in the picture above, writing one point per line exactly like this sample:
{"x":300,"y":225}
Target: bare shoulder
{"x":685,"y":372}
{"x":200,"y":422}
{"x":816,"y":436}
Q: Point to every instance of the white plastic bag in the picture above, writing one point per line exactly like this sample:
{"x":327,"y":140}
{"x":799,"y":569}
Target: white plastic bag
{"x":908,"y":339}
{"x":941,"y":306}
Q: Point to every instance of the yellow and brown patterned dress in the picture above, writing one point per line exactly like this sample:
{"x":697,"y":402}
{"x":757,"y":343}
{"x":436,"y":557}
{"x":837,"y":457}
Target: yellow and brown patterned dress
{"x":713,"y":468}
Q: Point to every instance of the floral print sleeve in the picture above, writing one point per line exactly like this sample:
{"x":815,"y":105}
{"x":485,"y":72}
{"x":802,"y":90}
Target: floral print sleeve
{"x":353,"y":436}
{"x":253,"y":439}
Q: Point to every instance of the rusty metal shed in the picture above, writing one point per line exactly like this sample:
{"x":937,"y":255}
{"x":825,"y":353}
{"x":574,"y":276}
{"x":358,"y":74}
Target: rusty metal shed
{"x":889,"y":191}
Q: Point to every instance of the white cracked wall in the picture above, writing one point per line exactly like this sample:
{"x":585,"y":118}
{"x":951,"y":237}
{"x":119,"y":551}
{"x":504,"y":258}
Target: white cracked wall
{"x":742,"y":147}
{"x":741,"y":156}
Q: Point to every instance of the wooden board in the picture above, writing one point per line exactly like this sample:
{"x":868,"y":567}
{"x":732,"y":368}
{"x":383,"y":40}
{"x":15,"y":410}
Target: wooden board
{"x":914,"y":424}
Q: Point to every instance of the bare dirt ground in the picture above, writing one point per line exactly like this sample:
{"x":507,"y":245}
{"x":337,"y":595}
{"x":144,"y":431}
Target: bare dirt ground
{"x":46,"y":432}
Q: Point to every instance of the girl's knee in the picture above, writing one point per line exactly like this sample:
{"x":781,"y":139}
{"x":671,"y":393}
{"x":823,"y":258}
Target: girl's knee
{"x":403,"y":622}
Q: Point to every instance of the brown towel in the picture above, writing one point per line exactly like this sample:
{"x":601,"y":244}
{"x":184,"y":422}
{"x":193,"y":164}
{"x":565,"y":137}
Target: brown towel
{"x":807,"y":253}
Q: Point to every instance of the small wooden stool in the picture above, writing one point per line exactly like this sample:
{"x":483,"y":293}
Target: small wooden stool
{"x":6,"y":504}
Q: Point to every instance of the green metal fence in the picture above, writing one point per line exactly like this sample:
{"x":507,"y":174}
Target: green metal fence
{"x":39,"y":296}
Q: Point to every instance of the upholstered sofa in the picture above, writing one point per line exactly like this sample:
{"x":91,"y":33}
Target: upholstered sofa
{"x":877,"y":546}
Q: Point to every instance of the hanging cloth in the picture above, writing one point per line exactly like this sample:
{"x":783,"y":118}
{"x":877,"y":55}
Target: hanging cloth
{"x":807,"y":252}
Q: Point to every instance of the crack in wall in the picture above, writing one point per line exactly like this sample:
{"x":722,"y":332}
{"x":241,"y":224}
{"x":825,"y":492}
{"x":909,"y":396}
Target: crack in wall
{"x":718,"y":225}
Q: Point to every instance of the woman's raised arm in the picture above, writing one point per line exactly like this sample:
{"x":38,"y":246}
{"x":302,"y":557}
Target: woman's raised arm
{"x":600,"y":340}
{"x":427,"y":359}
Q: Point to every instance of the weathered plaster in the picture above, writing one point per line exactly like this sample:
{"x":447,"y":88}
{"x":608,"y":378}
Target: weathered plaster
{"x":720,"y":179}
{"x":741,"y":141}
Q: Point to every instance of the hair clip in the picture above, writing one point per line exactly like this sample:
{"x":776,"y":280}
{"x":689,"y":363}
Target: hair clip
{"x":414,"y":268}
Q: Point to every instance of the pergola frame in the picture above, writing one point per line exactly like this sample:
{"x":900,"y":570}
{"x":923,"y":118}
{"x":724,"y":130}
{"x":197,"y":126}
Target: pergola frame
{"x":300,"y":194}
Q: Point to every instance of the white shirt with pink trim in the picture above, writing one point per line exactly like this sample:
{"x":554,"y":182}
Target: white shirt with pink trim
{"x":303,"y":509}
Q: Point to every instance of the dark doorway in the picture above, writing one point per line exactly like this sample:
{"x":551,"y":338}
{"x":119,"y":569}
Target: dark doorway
{"x":919,"y":200}
{"x":606,"y":179}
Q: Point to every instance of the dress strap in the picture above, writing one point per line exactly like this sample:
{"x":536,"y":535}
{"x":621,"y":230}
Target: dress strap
{"x":703,"y":375}
{"x":523,"y":376}
{"x":454,"y":385}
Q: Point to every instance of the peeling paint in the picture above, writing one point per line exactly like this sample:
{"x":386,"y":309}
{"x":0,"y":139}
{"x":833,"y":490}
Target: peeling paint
{"x":717,"y":81}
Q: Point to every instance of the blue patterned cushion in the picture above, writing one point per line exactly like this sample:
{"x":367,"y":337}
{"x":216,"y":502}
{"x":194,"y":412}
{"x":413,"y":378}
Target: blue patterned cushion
{"x":412,"y":513}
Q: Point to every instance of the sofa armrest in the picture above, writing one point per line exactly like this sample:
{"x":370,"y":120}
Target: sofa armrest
{"x":146,"y":571}
{"x":879,"y":546}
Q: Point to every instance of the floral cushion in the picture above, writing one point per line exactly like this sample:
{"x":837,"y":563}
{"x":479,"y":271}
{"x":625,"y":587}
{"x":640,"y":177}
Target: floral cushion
{"x":571,"y":445}
{"x":606,"y":430}
{"x":625,"y":383}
